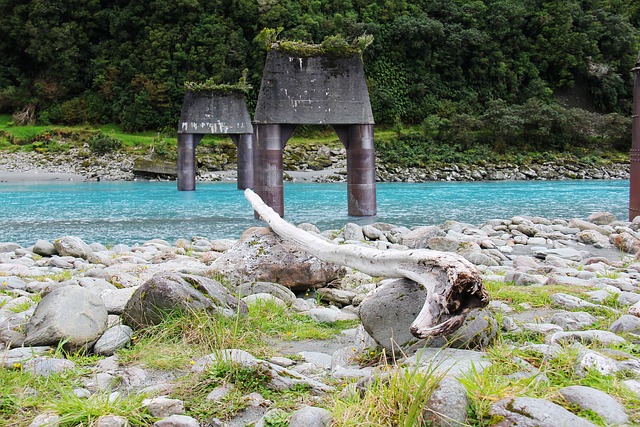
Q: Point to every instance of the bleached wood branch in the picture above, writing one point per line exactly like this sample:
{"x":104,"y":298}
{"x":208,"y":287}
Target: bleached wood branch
{"x":453,"y":284}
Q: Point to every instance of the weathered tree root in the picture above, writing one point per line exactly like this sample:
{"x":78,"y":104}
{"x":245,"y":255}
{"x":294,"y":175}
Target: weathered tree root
{"x":453,"y":284}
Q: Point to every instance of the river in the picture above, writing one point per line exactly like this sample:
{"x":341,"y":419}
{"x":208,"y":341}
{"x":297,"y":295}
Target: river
{"x":133,"y":212}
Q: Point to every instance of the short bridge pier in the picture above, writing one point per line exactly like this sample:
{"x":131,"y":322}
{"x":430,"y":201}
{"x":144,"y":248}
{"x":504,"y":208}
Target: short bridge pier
{"x":208,"y":112}
{"x":316,"y":90}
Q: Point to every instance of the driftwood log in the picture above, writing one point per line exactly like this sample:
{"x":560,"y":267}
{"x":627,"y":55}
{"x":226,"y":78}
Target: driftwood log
{"x":453,"y":284}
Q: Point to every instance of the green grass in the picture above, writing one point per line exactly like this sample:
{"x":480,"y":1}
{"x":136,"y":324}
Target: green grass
{"x":182,"y":338}
{"x":395,"y":398}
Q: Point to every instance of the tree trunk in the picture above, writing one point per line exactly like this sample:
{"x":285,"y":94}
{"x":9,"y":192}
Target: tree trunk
{"x":453,"y":284}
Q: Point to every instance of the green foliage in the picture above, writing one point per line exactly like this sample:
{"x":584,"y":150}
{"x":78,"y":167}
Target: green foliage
{"x":126,"y":62}
{"x":102,"y":143}
{"x":221,"y":88}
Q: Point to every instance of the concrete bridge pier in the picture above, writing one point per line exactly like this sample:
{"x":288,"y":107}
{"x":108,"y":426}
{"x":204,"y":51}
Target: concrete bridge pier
{"x":244,"y":146}
{"x":361,"y":168}
{"x":187,"y":143}
{"x":268,"y":179}
{"x":634,"y":176}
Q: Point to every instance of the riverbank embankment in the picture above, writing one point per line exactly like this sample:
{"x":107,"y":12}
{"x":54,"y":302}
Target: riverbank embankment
{"x":303,"y":163}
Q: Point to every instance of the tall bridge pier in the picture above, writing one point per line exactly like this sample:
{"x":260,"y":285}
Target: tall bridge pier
{"x":207,"y":112}
{"x":316,"y":90}
{"x":634,"y":178}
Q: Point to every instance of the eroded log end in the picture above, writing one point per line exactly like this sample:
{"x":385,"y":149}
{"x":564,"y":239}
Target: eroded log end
{"x":453,"y":300}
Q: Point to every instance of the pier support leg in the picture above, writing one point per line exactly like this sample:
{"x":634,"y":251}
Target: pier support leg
{"x":187,"y":143}
{"x":244,"y":146}
{"x":268,"y":166}
{"x":634,"y":176}
{"x":361,"y":168}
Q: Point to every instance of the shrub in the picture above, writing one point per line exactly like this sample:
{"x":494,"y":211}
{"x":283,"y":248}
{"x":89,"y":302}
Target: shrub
{"x":102,"y":144}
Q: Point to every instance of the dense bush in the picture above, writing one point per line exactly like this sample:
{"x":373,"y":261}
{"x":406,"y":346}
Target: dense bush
{"x":127,"y":61}
{"x":101,"y":143}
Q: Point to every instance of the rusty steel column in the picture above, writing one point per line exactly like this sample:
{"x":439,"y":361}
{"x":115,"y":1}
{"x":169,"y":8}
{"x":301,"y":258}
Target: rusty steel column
{"x":634,"y":178}
{"x":244,"y":146}
{"x":268,"y":166}
{"x":361,"y":170}
{"x":187,"y":143}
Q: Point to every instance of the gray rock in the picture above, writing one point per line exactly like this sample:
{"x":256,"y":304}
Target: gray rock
{"x":587,"y":337}
{"x":45,"y":366}
{"x":559,"y":279}
{"x":478,"y":258}
{"x":448,"y":361}
{"x":573,"y":320}
{"x":263,"y":298}
{"x":353,"y":232}
{"x":6,"y":247}
{"x":372,"y":233}
{"x":633,"y":386}
{"x":590,"y":360}
{"x":601,"y":403}
{"x":530,"y":412}
{"x":166,"y":292}
{"x":628,"y":298}
{"x":626,"y":242}
{"x":310,"y":416}
{"x":337,"y":296}
{"x":177,"y":421}
{"x":419,"y":236}
{"x":219,"y":393}
{"x":12,"y":282}
{"x":261,"y":255}
{"x":319,"y":359}
{"x":362,"y":340}
{"x":112,"y":421}
{"x":541,"y":328}
{"x":602,"y":218}
{"x":114,"y":338}
{"x":45,"y":420}
{"x":116,"y":299}
{"x":444,"y":244}
{"x":388,"y":311}
{"x":275,"y":289}
{"x":164,"y":407}
{"x":520,"y":278}
{"x":569,"y":302}
{"x":71,"y":314}
{"x":325,"y":315}
{"x":44,"y":248}
{"x":478,"y":330}
{"x":586,"y":225}
{"x":634,"y":310}
{"x":20,"y":355}
{"x":73,"y":246}
{"x":447,"y":405}
{"x":626,"y":323}
{"x":563,"y":253}
{"x":592,"y":237}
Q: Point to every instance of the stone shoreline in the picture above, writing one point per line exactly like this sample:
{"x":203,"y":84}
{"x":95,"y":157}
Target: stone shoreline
{"x":587,"y":264}
{"x":316,"y":164}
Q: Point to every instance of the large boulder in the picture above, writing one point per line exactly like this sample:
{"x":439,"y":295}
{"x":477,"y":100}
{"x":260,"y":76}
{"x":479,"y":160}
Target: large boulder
{"x":168,"y":292}
{"x":530,"y":412}
{"x":388,"y":311}
{"x":69,"y":314}
{"x":73,"y":246}
{"x":262,"y":256}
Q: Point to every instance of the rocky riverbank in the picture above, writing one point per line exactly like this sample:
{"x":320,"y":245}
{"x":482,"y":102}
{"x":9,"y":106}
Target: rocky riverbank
{"x":310,"y":162}
{"x":559,"y":343}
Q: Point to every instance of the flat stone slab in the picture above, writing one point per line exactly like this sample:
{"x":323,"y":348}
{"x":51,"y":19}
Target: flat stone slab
{"x":449,"y":361}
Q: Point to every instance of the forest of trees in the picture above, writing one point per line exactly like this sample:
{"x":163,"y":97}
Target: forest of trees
{"x":471,"y":64}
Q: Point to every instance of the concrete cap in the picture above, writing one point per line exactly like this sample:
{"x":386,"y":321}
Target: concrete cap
{"x":205,"y":112}
{"x":313,"y":90}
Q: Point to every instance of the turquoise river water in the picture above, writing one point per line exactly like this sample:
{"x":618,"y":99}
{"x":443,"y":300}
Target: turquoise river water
{"x":133,"y":212}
